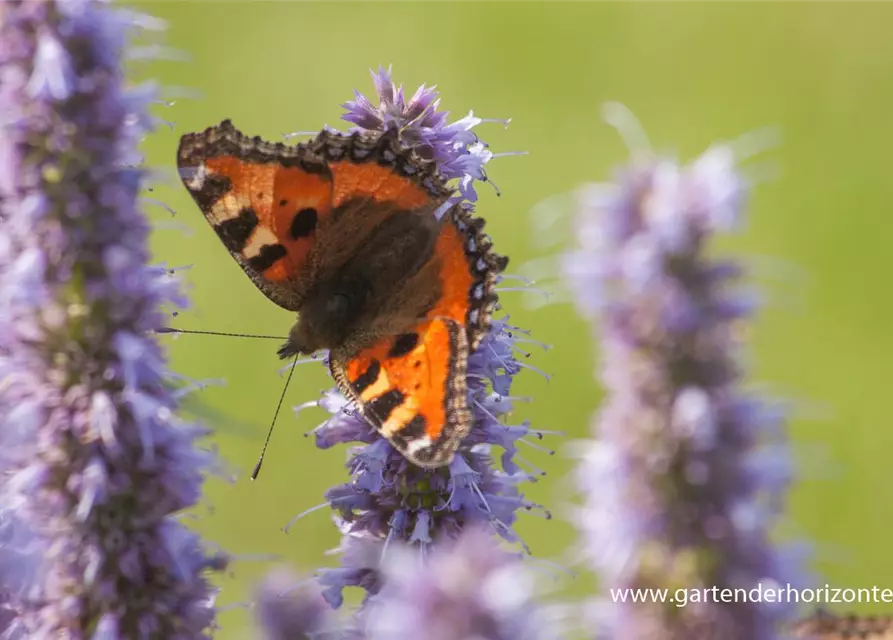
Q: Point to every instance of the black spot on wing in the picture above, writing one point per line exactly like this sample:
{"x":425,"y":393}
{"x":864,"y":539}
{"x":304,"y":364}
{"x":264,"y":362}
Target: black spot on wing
{"x":269,"y":254}
{"x":384,"y":404}
{"x":368,"y":378}
{"x":403,"y":344}
{"x":214,"y":187}
{"x":414,"y":430}
{"x":236,"y":232}
{"x":303,"y":224}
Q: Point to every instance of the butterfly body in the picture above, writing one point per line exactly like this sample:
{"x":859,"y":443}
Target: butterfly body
{"x":343,"y":231}
{"x":386,"y":285}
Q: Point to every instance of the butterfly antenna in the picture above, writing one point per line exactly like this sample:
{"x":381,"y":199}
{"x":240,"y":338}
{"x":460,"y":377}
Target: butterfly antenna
{"x":263,"y":451}
{"x":217,"y":333}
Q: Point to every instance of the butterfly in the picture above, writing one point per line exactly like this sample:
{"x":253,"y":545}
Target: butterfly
{"x":354,"y":233}
{"x":826,"y":626}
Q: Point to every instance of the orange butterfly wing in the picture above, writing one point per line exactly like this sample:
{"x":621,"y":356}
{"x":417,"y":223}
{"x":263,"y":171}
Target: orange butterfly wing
{"x":268,"y":202}
{"x":413,"y":387}
{"x":264,"y":200}
{"x":376,"y":166}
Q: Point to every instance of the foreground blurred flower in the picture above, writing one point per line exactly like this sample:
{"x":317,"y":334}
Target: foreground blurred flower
{"x":467,"y":589}
{"x":389,"y":499}
{"x":19,"y":564}
{"x":94,"y":460}
{"x":290,"y":610}
{"x":689,"y":472}
{"x":464,"y":588}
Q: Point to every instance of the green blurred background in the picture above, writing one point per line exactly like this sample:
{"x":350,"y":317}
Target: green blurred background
{"x":817,"y":235}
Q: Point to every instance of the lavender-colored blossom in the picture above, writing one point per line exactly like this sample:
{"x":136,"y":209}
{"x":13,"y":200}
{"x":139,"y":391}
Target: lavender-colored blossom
{"x":688,"y":471}
{"x":468,"y":588}
{"x":389,"y":499}
{"x":95,"y":462}
{"x":458,"y":152}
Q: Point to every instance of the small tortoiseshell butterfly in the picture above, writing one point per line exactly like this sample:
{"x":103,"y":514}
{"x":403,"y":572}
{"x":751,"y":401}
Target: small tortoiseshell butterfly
{"x":826,"y":626}
{"x":342,"y":230}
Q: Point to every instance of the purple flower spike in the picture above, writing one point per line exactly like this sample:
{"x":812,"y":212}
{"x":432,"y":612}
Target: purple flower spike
{"x":95,"y":464}
{"x":454,"y":147}
{"x":686,"y":474}
{"x":389,"y":500}
{"x":469,"y":588}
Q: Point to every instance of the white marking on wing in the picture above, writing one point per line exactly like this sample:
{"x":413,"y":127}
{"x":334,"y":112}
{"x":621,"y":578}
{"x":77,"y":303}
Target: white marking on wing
{"x":229,"y":206}
{"x":261,"y":236}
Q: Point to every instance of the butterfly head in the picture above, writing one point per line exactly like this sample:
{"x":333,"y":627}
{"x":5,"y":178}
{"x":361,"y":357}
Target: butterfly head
{"x":327,"y":318}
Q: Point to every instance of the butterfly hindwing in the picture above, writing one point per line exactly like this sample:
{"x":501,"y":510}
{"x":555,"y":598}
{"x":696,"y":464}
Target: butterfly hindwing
{"x":413,"y":387}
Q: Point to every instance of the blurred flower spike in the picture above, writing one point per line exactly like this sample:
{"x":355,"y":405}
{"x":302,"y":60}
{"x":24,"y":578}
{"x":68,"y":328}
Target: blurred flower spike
{"x":469,"y":588}
{"x":96,"y":466}
{"x":686,"y":473}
